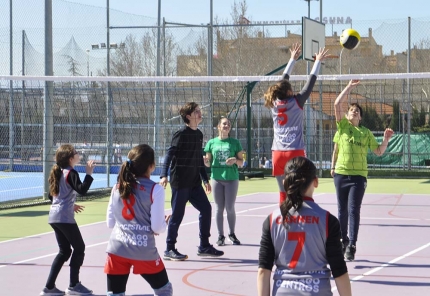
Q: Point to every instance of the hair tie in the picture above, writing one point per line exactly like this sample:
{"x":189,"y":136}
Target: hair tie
{"x":128,"y":161}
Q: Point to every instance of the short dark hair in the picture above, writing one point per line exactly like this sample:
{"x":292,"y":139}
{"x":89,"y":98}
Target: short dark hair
{"x":187,"y":109}
{"x":358,"y":106}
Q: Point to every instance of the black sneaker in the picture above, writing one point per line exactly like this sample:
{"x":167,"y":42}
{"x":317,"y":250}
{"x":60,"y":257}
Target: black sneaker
{"x":221,"y":240}
{"x":344,"y":245}
{"x":209,"y":251}
{"x":350,"y":252}
{"x":232,"y":237}
{"x":174,"y":255}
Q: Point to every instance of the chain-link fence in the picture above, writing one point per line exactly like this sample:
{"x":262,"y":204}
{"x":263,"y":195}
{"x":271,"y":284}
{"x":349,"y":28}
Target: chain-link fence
{"x":235,"y":47}
{"x":100,"y":122}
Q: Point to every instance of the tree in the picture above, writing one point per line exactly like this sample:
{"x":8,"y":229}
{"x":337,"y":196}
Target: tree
{"x":371,"y":119}
{"x":395,"y":119}
{"x":73,"y":66}
{"x":139,"y":57}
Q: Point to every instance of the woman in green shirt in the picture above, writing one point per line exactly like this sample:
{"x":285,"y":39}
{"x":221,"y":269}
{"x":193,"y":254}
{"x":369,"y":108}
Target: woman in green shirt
{"x":349,"y":166}
{"x":224,"y":155}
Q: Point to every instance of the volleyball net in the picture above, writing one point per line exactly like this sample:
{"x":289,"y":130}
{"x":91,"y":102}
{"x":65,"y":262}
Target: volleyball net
{"x":104,"y":117}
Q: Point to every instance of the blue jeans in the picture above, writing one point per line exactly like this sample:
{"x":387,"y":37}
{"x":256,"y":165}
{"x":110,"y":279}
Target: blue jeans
{"x":198,"y":198}
{"x":350,"y":191}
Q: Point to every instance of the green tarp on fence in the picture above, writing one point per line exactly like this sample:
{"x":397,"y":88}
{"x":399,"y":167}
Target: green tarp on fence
{"x":397,"y":151}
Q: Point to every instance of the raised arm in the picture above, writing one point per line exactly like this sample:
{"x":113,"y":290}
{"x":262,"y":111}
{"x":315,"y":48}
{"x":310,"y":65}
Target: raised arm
{"x":341,"y":98}
{"x":306,"y":91}
{"x":295,"y":51}
{"x":320,"y":56}
{"x":388,"y":133}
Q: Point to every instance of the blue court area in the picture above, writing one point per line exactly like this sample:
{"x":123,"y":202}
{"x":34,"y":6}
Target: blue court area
{"x":24,"y":185}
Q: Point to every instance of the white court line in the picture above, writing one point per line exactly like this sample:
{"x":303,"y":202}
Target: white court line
{"x":21,"y":189}
{"x":97,"y":244}
{"x":45,"y":233}
{"x":376,"y":269}
{"x":48,"y":255}
{"x":406,"y":219}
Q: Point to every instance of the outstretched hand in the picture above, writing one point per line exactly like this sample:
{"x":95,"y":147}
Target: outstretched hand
{"x":163,"y":182}
{"x":78,"y":208}
{"x":89,"y":168}
{"x":388,"y":133}
{"x":353,"y":83}
{"x":296,"y":50}
{"x":322,"y":54}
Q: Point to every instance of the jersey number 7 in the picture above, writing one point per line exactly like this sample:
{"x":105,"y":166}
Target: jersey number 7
{"x":282,"y":116}
{"x":300,"y":237}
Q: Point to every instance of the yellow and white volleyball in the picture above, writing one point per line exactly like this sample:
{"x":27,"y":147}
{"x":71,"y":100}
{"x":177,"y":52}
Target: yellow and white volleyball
{"x":350,"y":39}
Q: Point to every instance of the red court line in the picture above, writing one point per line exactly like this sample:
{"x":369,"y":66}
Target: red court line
{"x":186,"y":276}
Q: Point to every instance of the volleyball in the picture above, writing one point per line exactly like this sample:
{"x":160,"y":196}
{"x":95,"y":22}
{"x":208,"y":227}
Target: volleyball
{"x":350,"y":39}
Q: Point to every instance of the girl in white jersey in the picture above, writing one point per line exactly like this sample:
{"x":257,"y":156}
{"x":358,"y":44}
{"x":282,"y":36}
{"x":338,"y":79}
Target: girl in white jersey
{"x":287,"y":113}
{"x":64,"y":184}
{"x":136,"y":214}
{"x":301,"y":239}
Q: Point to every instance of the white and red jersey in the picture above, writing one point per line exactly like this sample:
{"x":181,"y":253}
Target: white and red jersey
{"x":135,"y":220}
{"x":287,"y":118}
{"x":301,"y":247}
{"x":287,"y":114}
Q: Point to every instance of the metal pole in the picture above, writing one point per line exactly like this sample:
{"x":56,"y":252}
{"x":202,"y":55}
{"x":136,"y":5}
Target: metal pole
{"x":248,"y":125}
{"x":22,"y":94}
{"x":88,"y":62}
{"x":157,"y":84}
{"x":48,"y":122}
{"x":307,"y":105}
{"x":209,"y":69}
{"x":109,"y":119}
{"x":409,"y":94}
{"x":11,"y":113}
{"x":321,"y":138}
{"x":164,"y":83}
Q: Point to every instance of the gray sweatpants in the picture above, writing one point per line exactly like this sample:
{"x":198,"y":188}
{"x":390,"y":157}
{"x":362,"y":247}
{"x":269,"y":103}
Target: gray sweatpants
{"x":225,"y":193}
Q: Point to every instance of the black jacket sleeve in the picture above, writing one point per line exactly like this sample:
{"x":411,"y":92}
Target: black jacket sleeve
{"x":171,"y":151}
{"x":334,"y":248}
{"x":75,"y":182}
{"x":266,"y":255}
{"x":304,"y":94}
{"x":285,"y":76}
{"x":203,"y":173}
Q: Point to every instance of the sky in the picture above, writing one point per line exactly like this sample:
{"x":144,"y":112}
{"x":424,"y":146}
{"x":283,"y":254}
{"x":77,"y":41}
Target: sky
{"x":198,"y":11}
{"x":387,"y":19}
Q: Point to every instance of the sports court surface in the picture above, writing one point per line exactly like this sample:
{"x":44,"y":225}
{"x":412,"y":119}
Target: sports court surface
{"x":393,"y":252}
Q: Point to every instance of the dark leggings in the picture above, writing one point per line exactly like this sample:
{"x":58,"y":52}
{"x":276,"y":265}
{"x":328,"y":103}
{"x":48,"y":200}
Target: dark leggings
{"x":117,"y":283}
{"x":350,"y":191}
{"x":68,"y":236}
{"x":198,"y":198}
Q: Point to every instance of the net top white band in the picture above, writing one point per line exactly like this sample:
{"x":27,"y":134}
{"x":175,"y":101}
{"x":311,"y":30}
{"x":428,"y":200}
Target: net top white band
{"x":420,"y":75}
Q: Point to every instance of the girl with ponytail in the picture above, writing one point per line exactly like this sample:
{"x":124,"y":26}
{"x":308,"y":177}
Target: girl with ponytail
{"x":136,"y":214}
{"x":64,"y":184}
{"x":301,"y":239}
{"x":287,"y":114}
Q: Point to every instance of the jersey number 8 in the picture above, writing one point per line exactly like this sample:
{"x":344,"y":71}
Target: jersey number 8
{"x":127,"y":210}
